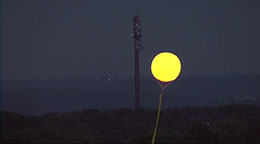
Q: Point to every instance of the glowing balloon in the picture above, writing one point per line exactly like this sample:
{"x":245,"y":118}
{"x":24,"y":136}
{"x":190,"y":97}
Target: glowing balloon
{"x":166,"y":67}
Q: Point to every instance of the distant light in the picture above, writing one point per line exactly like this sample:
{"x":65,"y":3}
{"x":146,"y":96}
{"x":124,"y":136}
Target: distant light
{"x":108,"y":79}
{"x":166,"y":67}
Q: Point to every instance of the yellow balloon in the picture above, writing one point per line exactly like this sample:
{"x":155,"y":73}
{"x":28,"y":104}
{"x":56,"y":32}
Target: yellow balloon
{"x":166,"y":67}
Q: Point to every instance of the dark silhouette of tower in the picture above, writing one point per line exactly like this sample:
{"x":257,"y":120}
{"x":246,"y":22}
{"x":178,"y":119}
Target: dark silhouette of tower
{"x":138,"y":46}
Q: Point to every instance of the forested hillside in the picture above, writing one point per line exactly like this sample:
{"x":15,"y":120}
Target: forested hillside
{"x":230,"y":123}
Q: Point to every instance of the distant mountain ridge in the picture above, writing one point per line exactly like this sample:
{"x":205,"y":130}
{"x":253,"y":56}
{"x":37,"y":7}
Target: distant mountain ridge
{"x":38,"y":96}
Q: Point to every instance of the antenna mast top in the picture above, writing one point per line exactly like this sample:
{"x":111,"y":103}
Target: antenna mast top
{"x":137,"y":36}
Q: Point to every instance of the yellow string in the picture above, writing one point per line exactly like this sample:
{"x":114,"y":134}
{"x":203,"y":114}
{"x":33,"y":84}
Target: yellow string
{"x":158,"y":116}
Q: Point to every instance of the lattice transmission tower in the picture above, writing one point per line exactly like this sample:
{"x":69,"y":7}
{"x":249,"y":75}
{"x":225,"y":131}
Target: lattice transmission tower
{"x":137,"y":47}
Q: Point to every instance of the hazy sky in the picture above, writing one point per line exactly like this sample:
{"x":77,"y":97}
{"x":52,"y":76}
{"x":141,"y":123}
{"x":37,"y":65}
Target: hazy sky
{"x":50,"y":38}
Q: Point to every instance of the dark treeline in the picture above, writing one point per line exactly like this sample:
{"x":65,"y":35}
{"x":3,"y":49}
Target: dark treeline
{"x":230,"y":123}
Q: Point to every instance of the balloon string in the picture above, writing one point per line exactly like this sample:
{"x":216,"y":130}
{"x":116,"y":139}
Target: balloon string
{"x":158,"y":116}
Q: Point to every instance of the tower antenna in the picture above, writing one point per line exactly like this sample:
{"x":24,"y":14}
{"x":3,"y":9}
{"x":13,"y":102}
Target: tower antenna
{"x":137,"y":47}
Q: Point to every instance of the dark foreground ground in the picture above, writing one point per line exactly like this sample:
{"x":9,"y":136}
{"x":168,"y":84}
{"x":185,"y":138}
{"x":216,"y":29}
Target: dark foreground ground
{"x":231,"y":123}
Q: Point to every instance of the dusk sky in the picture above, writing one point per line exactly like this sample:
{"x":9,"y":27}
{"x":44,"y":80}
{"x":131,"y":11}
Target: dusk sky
{"x":56,"y":38}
